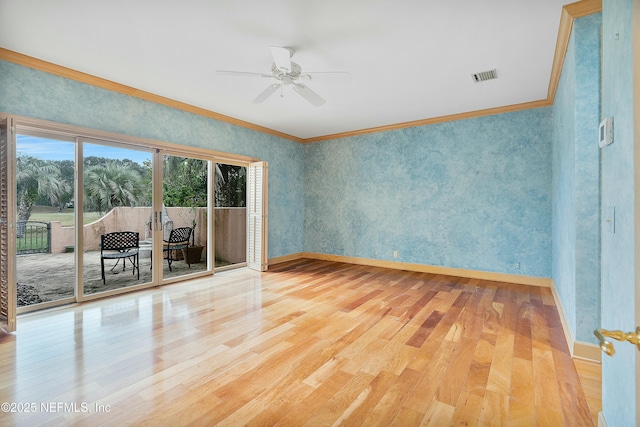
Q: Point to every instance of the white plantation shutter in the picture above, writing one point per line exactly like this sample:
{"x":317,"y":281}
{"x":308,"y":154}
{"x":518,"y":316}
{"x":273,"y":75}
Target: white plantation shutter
{"x":7,"y":284}
{"x":257,"y":216}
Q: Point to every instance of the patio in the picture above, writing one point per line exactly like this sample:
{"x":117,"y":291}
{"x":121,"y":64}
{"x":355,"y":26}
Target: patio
{"x":51,"y":275}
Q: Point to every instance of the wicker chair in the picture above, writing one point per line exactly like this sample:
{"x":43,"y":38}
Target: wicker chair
{"x":178,"y":239}
{"x":120,"y":245}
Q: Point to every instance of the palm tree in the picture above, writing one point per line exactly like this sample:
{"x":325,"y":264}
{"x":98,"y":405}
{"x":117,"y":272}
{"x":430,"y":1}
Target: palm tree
{"x":111,"y":184}
{"x":35,"y":178}
{"x":185,"y":181}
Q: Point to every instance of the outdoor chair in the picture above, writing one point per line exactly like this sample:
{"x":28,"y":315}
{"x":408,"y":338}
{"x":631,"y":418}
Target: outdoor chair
{"x":120,"y":245}
{"x":178,"y":240}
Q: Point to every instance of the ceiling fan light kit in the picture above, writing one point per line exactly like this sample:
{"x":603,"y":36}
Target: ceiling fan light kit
{"x":287,"y":73}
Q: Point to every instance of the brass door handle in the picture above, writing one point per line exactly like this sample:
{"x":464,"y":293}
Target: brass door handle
{"x":607,"y":347}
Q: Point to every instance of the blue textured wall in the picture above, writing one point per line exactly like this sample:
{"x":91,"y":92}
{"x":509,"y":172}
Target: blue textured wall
{"x":32,"y":93}
{"x":618,"y":249}
{"x":471,"y":194}
{"x":587,"y":175}
{"x":576,"y":180}
{"x":564,"y":175}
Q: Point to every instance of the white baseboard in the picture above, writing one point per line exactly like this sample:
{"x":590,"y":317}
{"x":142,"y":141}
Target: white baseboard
{"x":424,"y":268}
{"x":286,"y":258}
{"x":587,"y":351}
{"x":578,"y":349}
{"x":601,"y":421}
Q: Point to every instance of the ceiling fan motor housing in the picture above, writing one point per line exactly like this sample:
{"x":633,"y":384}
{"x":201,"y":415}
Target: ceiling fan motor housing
{"x":294,"y":74}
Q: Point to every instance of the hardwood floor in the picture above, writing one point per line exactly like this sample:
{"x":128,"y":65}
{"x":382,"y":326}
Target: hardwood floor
{"x":308,"y":343}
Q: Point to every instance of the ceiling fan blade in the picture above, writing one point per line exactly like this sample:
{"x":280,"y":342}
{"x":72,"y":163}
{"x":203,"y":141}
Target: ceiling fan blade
{"x":308,"y":94}
{"x":282,"y":58}
{"x":266,"y":93}
{"x":326,"y":75}
{"x":241,"y":73}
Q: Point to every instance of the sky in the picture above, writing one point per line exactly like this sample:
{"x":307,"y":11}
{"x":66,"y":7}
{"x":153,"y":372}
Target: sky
{"x":50,"y":149}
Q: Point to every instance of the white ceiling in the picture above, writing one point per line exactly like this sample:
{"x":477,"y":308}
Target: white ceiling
{"x":408,"y":59}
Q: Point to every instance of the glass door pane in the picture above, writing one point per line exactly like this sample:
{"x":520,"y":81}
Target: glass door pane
{"x":231,"y":215}
{"x":185,"y":205}
{"x":45,"y":223}
{"x":117,"y":200}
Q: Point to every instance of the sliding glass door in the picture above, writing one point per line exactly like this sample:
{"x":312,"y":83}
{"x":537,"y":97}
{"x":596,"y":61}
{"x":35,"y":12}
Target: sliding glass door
{"x":117,"y":238}
{"x":185,"y":215}
{"x":230,"y":215}
{"x":86,"y":217}
{"x":45,"y":220}
{"x":171,"y":233}
{"x":87,"y":214}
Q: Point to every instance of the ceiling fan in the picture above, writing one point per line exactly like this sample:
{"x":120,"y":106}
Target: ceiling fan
{"x":288,"y":73}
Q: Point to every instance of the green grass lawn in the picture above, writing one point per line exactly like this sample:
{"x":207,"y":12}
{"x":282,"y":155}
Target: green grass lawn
{"x":66,"y":217}
{"x":28,"y":244}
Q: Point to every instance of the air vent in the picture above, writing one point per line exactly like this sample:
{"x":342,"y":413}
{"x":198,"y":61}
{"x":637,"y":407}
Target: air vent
{"x":484,"y":75}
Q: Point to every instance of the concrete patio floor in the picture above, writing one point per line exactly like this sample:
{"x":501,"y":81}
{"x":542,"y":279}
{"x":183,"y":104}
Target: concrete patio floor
{"x":52,"y":275}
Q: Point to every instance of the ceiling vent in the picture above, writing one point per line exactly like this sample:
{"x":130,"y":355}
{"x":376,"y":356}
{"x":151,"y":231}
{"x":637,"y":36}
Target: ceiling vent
{"x":484,"y":75}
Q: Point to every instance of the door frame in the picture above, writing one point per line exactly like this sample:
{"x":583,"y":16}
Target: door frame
{"x":17,"y":123}
{"x":635,"y":46}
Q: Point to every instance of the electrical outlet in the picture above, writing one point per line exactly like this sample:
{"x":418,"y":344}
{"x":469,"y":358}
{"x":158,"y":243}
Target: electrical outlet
{"x":395,"y":254}
{"x":516,"y":266}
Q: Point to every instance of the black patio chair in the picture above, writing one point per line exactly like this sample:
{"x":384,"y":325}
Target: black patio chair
{"x":178,"y":239}
{"x":120,"y":245}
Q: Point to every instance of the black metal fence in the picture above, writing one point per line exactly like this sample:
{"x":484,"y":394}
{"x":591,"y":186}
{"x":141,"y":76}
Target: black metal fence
{"x":33,"y":237}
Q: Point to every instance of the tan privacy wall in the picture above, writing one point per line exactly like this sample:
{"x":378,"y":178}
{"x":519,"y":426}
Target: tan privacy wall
{"x":230,"y":229}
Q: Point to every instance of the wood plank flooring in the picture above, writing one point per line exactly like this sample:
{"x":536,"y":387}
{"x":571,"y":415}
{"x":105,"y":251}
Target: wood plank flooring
{"x":309,"y":343}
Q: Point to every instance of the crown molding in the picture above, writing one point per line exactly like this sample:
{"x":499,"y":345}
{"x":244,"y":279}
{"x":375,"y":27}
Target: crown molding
{"x":58,"y":70}
{"x":434,"y":120}
{"x":570,"y":12}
